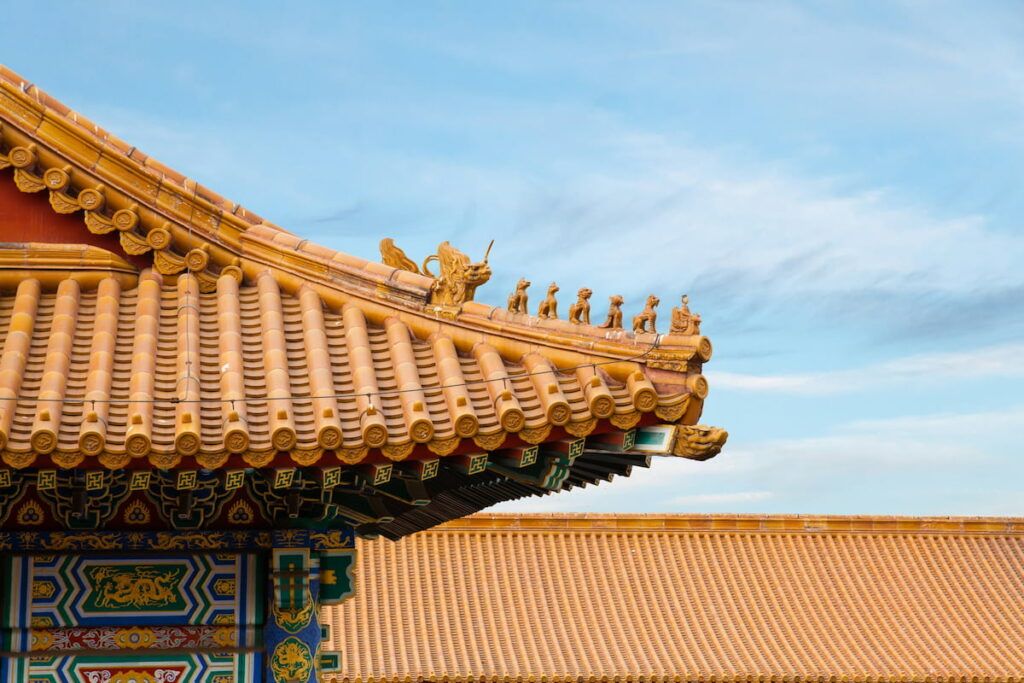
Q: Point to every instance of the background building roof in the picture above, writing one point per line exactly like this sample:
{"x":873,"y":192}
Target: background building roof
{"x":660,"y":598}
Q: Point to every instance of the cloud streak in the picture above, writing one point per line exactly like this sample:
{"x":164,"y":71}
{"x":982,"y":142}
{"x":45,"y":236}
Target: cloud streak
{"x":940,"y":463}
{"x":702,"y":500}
{"x":923,"y":370}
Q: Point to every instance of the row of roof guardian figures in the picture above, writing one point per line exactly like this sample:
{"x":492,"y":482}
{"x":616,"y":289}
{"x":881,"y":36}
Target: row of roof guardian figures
{"x":459,"y":277}
{"x":683,"y":321}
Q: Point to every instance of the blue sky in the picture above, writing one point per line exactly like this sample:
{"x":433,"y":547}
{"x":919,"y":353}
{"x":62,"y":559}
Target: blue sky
{"x":837,"y":186}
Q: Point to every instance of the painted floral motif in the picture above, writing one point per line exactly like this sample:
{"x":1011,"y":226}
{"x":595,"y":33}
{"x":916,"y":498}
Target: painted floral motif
{"x":135,"y":638}
{"x":105,"y":638}
{"x":165,"y":540}
{"x":225,"y":637}
{"x":132,"y":676}
{"x":42,"y":590}
{"x":241,"y":513}
{"x":41,"y":641}
{"x":224,"y":587}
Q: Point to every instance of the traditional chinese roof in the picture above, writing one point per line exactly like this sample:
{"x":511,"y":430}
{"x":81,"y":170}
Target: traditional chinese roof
{"x":148,"y":322}
{"x":588,"y":598}
{"x":85,"y":347}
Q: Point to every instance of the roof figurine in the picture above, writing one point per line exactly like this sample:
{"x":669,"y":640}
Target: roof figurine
{"x":457,"y":280}
{"x":549,"y":306}
{"x":683,"y":321}
{"x":646,"y":320}
{"x":519,"y":299}
{"x":579,"y":312}
{"x":393,"y":255}
{"x":614,"y":319}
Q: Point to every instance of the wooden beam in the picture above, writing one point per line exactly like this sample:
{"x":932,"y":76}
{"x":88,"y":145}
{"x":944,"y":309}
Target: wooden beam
{"x":523,"y":456}
{"x":470,"y":465}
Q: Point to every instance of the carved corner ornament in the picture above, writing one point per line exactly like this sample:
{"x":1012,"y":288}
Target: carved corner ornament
{"x":699,"y":442}
{"x":393,"y":255}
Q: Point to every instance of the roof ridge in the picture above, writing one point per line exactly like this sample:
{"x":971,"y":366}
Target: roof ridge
{"x":129,"y":152}
{"x":734,"y":522}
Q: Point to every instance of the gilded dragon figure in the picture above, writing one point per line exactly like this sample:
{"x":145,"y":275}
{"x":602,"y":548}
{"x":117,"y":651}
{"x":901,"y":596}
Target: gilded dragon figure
{"x":458,"y":278}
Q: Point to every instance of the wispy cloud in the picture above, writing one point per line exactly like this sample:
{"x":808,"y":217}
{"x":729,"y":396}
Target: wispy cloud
{"x":1004,"y":361}
{"x":941,"y":463}
{"x":702,"y":500}
{"x":761,"y":239}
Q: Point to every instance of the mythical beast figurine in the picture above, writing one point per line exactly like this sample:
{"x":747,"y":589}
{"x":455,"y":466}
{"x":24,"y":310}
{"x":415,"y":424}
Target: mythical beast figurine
{"x":579,"y":312}
{"x":614,"y":319}
{"x":646,"y":320}
{"x":699,"y":442}
{"x":549,"y":307}
{"x":458,"y":279}
{"x":518,"y":299}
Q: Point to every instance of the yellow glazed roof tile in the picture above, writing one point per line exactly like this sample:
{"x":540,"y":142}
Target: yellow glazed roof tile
{"x":163,"y":371}
{"x":688,"y":598}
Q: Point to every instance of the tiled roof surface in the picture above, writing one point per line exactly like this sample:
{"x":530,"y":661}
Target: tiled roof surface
{"x":673,"y":598}
{"x":160,"y":369}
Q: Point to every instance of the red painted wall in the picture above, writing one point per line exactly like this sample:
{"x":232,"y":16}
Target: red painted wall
{"x":28,"y":217}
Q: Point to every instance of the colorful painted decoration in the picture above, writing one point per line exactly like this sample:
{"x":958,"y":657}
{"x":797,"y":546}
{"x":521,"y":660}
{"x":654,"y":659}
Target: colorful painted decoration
{"x":135,"y":590}
{"x":336,"y":576}
{"x":291,"y":660}
{"x":188,"y":668}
